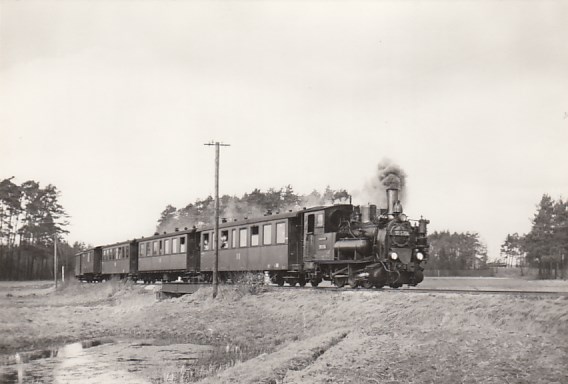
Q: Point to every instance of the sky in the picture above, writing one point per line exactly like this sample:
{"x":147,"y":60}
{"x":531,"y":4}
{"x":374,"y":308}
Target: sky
{"x":112,"y":102}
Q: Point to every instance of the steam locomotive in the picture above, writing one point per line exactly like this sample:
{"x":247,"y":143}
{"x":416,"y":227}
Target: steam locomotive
{"x":345,"y":244}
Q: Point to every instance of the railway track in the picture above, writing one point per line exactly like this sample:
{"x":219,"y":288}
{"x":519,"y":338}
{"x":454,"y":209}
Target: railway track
{"x":465,"y":291}
{"x":178,"y":289}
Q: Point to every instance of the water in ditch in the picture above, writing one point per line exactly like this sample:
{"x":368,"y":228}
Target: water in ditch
{"x":100,"y":361}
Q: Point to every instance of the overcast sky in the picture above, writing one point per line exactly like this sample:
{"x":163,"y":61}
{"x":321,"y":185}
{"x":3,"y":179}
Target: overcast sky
{"x":113,"y":101}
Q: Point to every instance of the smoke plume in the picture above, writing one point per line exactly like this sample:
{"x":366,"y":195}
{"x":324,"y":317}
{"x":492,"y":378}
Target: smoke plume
{"x":388,"y":175}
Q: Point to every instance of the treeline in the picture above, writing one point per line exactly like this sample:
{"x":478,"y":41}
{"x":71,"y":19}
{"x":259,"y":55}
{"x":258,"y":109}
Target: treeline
{"x":31,"y":218}
{"x":253,"y":204}
{"x":546,"y":245}
{"x":456,"y":251}
{"x":449,"y":251}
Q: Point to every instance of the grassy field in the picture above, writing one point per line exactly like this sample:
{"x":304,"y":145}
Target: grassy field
{"x":266,"y":335}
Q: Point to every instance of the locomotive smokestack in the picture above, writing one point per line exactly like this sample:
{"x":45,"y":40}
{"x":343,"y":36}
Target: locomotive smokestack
{"x":392,"y":198}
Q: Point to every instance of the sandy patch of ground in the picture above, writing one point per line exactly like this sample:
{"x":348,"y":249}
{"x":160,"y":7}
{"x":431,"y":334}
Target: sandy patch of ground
{"x":308,"y":336}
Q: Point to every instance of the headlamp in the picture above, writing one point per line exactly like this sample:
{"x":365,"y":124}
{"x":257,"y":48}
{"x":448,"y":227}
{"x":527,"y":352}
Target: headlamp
{"x":420,"y":256}
{"x":394,"y":256}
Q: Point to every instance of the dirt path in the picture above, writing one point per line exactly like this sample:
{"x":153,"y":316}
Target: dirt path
{"x":313,"y":336}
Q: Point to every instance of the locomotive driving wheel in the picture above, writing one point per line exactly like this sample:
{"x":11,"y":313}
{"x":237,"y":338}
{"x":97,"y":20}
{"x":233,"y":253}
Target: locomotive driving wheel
{"x":339,"y":281}
{"x":353,"y":282}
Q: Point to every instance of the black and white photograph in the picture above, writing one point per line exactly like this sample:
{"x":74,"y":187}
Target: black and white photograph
{"x":283,"y":192}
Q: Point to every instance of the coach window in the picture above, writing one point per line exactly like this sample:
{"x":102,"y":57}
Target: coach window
{"x":205,"y":241}
{"x":127,"y":251}
{"x":120,"y":255}
{"x":175,"y":245}
{"x":280,"y":233}
{"x":267,"y":234}
{"x":319,"y":220}
{"x":254,"y":235}
{"x":234,"y":238}
{"x":167,"y":246}
{"x":156,"y":250}
{"x":224,"y":239}
{"x":148,"y":249}
{"x":182,"y":244}
{"x":243,"y":237}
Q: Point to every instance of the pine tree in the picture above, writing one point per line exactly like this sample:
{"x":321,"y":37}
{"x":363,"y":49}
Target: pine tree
{"x":560,"y":235}
{"x":539,"y":241}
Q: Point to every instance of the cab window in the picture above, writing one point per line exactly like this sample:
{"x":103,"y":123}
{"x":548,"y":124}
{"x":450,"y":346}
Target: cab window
{"x":311,"y":223}
{"x":319,"y":220}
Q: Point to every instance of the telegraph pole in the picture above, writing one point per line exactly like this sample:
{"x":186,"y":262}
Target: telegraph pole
{"x":55,"y":259}
{"x":216,"y":237}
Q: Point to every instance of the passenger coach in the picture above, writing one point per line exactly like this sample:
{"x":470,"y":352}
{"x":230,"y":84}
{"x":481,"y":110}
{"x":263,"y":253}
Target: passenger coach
{"x":120,"y":260}
{"x":269,"y":243}
{"x":88,"y":264}
{"x":169,"y":256}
